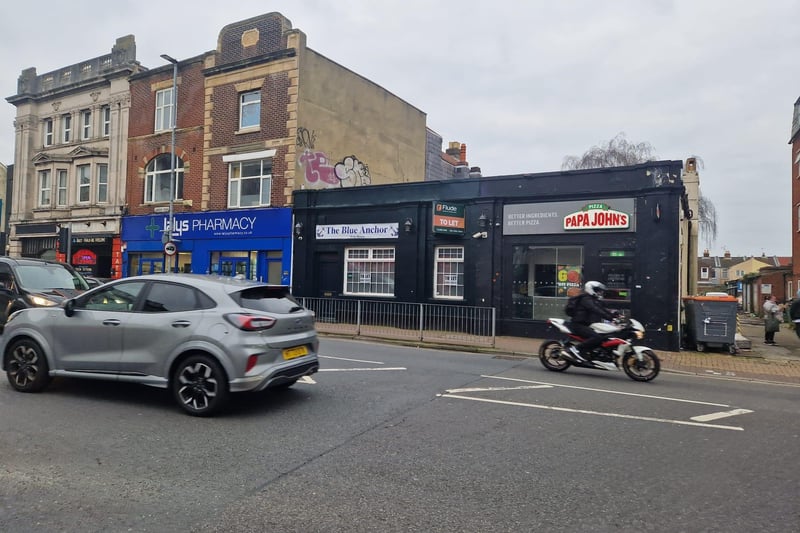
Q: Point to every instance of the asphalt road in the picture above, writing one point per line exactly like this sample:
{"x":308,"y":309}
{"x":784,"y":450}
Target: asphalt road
{"x":390,"y":438}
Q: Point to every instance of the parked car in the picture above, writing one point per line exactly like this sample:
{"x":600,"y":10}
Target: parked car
{"x":28,"y":282}
{"x":200,"y":336}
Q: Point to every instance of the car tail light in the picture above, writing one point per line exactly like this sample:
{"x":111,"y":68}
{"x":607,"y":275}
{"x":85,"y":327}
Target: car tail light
{"x":251,"y":362}
{"x":247,"y":322}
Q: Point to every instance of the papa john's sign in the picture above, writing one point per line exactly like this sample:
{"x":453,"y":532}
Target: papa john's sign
{"x":604,"y":214}
{"x":597,"y":215}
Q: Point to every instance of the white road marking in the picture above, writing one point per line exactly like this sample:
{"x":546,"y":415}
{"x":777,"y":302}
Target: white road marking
{"x":353,"y":360}
{"x":478,"y":389}
{"x":361,"y":369}
{"x":307,"y":379}
{"x":610,"y":391}
{"x":722,"y":414}
{"x":596,"y":413}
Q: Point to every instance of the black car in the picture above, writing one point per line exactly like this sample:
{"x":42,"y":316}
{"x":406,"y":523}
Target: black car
{"x":26,"y":282}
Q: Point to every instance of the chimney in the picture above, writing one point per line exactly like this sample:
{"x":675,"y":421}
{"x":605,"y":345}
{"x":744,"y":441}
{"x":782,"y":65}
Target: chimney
{"x":463,"y":158}
{"x":706,"y":254}
{"x":475,"y":172}
{"x":691,"y":164}
{"x":727,"y":254}
{"x":453,"y":149}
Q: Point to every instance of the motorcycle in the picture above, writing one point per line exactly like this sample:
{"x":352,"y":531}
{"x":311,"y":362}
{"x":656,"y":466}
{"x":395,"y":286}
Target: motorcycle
{"x":616,"y":352}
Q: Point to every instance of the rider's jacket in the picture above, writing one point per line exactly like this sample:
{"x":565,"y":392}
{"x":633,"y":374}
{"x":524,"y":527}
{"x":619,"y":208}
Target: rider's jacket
{"x":590,"y":310}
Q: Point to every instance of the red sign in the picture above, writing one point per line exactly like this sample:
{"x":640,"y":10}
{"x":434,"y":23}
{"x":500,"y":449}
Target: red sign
{"x":597,"y":216}
{"x":84,"y":257}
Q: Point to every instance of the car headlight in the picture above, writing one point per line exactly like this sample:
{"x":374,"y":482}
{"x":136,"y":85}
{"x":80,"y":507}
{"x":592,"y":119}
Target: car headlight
{"x":39,"y":301}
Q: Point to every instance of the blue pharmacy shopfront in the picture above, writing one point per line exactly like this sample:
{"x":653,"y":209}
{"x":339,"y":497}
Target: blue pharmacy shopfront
{"x":255,"y":243}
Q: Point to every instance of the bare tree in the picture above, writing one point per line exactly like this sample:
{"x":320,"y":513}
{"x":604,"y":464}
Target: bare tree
{"x":619,"y":152}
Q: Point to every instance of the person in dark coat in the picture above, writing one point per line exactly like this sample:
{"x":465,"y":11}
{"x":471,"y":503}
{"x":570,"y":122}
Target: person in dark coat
{"x":589,"y":309}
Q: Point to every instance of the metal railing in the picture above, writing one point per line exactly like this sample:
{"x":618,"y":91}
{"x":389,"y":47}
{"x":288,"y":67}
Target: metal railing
{"x":437,"y":323}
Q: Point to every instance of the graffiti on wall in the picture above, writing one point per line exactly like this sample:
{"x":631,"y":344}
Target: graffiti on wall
{"x":320,"y":173}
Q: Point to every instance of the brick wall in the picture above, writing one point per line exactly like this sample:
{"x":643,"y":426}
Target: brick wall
{"x":144,"y":144}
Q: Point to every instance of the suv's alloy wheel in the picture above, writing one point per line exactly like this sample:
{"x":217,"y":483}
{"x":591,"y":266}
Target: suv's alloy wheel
{"x":199,"y":385}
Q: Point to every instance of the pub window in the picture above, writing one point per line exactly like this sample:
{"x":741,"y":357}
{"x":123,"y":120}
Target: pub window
{"x":449,"y":272}
{"x":369,"y":271}
{"x":543,"y":278}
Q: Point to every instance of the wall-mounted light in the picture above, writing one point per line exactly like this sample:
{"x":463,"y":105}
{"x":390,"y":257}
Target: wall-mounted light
{"x":298,"y":230}
{"x":483,"y":221}
{"x":408,"y":225}
{"x":88,"y":223}
{"x":104,"y":223}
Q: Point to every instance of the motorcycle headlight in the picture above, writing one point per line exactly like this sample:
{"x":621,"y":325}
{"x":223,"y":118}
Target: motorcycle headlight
{"x":40,"y":301}
{"x":640,"y":335}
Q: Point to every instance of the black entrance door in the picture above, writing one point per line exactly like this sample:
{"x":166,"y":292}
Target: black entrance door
{"x":329,"y":274}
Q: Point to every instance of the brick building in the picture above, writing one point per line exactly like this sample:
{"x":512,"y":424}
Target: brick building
{"x":276,"y":116}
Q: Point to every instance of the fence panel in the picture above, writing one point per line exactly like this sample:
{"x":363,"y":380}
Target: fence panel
{"x":438,"y":323}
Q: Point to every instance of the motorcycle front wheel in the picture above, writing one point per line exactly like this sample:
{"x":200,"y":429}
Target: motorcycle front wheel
{"x":643,"y":370}
{"x":551,"y":357}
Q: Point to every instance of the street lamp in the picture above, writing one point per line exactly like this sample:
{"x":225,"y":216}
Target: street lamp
{"x":166,"y":237}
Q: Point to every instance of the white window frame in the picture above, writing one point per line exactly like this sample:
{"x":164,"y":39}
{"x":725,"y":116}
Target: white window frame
{"x":157,"y":174}
{"x":86,"y":124}
{"x":448,"y":273}
{"x":45,"y":188}
{"x":102,"y":183}
{"x":164,"y":110}
{"x":247,"y":107}
{"x":705,"y":273}
{"x":250,"y":173}
{"x":61,"y":187}
{"x":66,"y":128}
{"x":48,"y":132}
{"x":369,"y":271}
{"x":84,"y":181}
{"x":106,"y":117}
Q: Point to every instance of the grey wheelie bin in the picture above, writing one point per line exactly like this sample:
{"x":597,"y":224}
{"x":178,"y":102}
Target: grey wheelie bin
{"x":711,"y":322}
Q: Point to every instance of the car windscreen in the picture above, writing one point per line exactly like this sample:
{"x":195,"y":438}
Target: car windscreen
{"x":42,"y":277}
{"x":269,"y":299}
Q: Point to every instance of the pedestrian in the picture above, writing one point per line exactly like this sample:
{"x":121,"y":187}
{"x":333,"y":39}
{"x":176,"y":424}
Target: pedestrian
{"x":773,"y":313}
{"x":794,"y":314}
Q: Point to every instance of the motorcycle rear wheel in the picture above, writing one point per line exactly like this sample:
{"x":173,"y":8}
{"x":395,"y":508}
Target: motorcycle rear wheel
{"x":644,"y":370}
{"x":551,"y":356}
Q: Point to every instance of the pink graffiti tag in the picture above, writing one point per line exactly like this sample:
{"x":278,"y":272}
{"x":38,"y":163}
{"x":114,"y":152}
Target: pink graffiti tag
{"x":317,"y":167}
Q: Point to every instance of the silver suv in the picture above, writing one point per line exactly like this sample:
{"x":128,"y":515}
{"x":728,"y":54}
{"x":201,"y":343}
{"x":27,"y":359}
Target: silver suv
{"x":202,"y":337}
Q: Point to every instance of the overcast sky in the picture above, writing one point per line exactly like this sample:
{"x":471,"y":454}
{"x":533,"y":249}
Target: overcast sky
{"x":522,"y":82}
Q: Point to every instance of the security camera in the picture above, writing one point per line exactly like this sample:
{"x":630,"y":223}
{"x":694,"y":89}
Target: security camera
{"x":480,"y":235}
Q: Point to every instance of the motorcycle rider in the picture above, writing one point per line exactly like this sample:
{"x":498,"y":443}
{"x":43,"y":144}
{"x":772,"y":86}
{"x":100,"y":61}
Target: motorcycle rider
{"x":589,"y":309}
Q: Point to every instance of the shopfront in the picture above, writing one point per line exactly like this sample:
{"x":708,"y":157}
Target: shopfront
{"x":252,"y":243}
{"x":521,"y":244}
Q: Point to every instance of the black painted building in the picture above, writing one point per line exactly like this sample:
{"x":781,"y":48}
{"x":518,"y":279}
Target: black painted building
{"x":520,"y":243}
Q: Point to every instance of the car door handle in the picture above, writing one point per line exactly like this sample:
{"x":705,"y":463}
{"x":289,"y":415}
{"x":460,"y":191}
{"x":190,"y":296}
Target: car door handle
{"x":111,"y":322}
{"x":181,"y":324}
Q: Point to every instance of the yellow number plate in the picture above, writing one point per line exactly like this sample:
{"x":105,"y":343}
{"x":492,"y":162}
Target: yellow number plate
{"x":297,"y":351}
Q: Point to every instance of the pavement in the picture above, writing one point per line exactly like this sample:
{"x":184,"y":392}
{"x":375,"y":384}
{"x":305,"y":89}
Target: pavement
{"x":754,"y":360}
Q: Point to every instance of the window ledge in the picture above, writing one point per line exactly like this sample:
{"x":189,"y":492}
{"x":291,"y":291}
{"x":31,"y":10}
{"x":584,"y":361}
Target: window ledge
{"x":251,"y":129}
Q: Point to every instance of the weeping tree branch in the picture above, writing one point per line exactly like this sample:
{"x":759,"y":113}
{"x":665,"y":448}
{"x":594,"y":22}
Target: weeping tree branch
{"x":619,"y":152}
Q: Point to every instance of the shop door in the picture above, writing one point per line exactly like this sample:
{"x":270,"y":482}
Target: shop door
{"x":151,"y":266}
{"x":329,"y":274}
{"x":234,"y":266}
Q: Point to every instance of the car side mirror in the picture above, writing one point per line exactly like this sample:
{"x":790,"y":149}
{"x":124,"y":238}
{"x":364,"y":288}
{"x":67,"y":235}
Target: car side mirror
{"x":69,"y":307}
